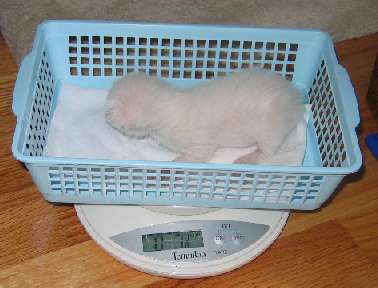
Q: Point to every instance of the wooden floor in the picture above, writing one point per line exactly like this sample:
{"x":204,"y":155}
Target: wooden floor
{"x":337,"y":246}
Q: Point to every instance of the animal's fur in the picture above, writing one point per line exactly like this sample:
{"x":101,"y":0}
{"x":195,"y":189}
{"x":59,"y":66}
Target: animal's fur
{"x":254,"y":106}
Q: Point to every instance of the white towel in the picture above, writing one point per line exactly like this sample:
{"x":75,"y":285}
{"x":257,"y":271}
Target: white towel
{"x":79,"y":130}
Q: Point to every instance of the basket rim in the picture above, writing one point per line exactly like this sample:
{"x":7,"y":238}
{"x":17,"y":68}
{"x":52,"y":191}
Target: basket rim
{"x":54,"y":22}
{"x":146,"y":164}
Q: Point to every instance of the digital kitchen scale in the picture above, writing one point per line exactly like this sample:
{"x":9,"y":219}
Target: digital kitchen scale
{"x":181,"y":242}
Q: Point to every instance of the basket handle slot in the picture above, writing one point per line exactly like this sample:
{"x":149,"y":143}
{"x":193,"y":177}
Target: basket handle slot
{"x":348,"y":98}
{"x":22,"y":85}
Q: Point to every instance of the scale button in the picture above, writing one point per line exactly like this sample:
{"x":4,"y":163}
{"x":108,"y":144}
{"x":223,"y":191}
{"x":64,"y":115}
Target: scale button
{"x":218,"y":239}
{"x":237,"y":238}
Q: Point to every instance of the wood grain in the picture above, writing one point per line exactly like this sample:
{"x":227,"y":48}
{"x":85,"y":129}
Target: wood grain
{"x":42,"y":244}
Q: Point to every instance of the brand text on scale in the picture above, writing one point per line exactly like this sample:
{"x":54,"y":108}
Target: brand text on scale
{"x":179,"y":256}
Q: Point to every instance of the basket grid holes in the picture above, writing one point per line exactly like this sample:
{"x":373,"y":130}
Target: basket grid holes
{"x":326,"y":121}
{"x":156,"y":183}
{"x":174,"y":57}
{"x":39,"y":114}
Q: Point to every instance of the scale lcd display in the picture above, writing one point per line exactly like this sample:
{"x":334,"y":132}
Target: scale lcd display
{"x":172,"y":240}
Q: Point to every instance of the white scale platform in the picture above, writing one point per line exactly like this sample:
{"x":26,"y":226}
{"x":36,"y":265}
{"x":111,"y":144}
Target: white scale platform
{"x":182,"y":242}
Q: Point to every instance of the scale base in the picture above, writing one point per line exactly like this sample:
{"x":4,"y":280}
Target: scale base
{"x":107,"y":224}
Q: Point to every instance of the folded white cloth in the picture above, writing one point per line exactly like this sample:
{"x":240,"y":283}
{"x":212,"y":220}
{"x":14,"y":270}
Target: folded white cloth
{"x":79,"y":130}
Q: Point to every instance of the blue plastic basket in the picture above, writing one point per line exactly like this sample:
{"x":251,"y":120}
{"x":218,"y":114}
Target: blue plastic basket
{"x":94,"y":54}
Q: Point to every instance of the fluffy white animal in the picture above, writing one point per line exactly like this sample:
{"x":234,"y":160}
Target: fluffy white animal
{"x":245,"y":108}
